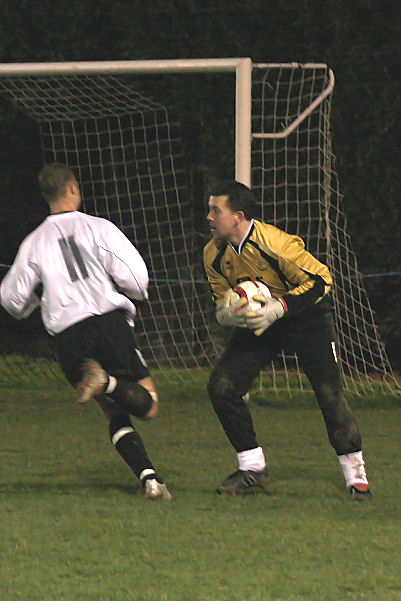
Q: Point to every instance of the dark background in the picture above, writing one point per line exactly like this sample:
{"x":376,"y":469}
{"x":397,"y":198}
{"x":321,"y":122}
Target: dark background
{"x":359,"y":40}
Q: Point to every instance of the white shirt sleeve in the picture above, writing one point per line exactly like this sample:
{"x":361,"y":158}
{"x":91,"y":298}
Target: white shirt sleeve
{"x":124,"y":264}
{"x":17,"y":287}
{"x":86,"y":265}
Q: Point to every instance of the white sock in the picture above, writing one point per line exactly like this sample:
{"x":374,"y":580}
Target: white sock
{"x":353,"y":467}
{"x":111,"y":385}
{"x":146,"y":472}
{"x":253,"y":460}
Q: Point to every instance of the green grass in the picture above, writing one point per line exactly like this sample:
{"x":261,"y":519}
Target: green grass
{"x":75,"y":525}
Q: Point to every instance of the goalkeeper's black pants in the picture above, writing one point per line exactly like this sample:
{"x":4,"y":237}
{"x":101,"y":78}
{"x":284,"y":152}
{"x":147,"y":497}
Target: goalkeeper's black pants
{"x":311,"y":337}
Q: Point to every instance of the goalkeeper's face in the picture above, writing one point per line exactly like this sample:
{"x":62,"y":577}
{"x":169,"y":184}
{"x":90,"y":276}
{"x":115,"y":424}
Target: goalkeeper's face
{"x":223,"y":221}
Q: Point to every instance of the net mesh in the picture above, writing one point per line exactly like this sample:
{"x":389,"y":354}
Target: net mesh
{"x":129,"y":160}
{"x":295,"y":178}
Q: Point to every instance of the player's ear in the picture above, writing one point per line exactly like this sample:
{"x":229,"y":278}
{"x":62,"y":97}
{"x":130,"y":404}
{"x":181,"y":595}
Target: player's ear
{"x":73,"y":187}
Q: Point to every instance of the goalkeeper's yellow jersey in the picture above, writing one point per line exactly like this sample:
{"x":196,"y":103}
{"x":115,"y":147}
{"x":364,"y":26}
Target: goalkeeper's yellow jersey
{"x":273,"y":257}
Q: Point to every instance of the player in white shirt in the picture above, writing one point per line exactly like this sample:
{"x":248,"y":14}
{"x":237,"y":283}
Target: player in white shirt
{"x":88,"y":268}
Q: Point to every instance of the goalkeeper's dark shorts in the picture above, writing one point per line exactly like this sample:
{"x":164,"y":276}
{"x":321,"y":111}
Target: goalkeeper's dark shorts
{"x":310,"y":336}
{"x":106,"y":338}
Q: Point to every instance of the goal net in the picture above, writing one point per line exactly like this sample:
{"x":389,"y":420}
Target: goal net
{"x":294,"y":175}
{"x":128,"y":156}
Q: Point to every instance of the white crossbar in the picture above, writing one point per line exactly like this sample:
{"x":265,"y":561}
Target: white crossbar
{"x":241,"y":66}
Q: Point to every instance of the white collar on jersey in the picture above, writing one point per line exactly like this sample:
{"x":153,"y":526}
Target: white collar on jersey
{"x":238,"y":248}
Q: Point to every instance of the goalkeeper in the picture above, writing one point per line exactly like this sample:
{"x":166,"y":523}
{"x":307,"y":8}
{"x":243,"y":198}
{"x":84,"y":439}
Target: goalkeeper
{"x":297,"y":319}
{"x":87,"y":269}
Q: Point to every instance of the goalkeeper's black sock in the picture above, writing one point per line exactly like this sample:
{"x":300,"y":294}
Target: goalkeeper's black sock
{"x":129,"y":444}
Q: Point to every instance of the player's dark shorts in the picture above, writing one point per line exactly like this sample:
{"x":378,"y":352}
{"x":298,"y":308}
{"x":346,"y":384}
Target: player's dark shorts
{"x":311,"y":336}
{"x":107,"y":338}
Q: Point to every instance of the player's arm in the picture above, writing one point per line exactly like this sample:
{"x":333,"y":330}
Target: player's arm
{"x":17,"y":291}
{"x":227,"y":313}
{"x":310,"y":279}
{"x":124,"y":264}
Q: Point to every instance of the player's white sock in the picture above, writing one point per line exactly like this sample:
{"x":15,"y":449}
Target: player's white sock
{"x":253,"y":460}
{"x":148,"y":472}
{"x":353,"y":467}
{"x":111,"y":385}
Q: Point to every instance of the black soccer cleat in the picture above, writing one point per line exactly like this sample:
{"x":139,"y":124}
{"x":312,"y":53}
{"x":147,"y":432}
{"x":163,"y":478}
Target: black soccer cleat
{"x":360,"y":492}
{"x":243,"y":481}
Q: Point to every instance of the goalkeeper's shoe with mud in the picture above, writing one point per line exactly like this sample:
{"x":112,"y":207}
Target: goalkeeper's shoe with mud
{"x":243,"y":481}
{"x":94,"y":381}
{"x":360,"y":492}
{"x":154,"y":489}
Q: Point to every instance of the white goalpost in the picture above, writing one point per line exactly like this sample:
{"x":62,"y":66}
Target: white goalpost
{"x":129,"y":159}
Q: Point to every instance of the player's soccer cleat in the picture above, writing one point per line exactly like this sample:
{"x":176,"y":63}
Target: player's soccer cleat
{"x":353,"y":467}
{"x":93,"y":383}
{"x":243,"y":481}
{"x":156,"y":490}
{"x":360,"y":492}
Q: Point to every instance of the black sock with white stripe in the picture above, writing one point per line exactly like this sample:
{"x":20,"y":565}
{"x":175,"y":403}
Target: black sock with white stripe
{"x":129,"y":444}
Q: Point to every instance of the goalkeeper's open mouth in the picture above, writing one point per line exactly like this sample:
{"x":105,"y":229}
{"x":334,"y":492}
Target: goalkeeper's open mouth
{"x":216,"y":233}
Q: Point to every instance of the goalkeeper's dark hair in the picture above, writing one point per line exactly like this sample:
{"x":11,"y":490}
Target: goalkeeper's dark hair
{"x":53,"y":179}
{"x":240,"y":197}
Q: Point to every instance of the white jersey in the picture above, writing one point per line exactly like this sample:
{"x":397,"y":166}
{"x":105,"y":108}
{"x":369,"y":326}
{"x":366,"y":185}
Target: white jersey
{"x":80,"y":261}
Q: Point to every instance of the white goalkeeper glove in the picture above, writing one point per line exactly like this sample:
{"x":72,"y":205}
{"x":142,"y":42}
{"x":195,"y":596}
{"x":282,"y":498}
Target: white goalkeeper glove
{"x":270,"y":311}
{"x":232,"y":312}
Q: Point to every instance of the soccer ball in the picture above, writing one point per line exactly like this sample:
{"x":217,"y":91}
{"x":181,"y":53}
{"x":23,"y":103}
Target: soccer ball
{"x":248,"y":290}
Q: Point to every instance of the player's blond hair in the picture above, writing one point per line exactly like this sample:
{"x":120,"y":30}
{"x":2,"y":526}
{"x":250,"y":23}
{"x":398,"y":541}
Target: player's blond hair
{"x":53,"y":179}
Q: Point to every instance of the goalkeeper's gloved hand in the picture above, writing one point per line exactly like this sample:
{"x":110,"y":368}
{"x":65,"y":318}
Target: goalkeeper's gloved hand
{"x":270,"y":311}
{"x":232,"y":312}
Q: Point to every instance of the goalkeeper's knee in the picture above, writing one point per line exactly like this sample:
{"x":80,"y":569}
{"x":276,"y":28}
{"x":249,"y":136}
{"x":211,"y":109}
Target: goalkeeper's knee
{"x":134,"y":399}
{"x":222,"y":392}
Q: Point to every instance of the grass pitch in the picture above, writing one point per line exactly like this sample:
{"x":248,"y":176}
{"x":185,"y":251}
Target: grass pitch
{"x":75,"y":525}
